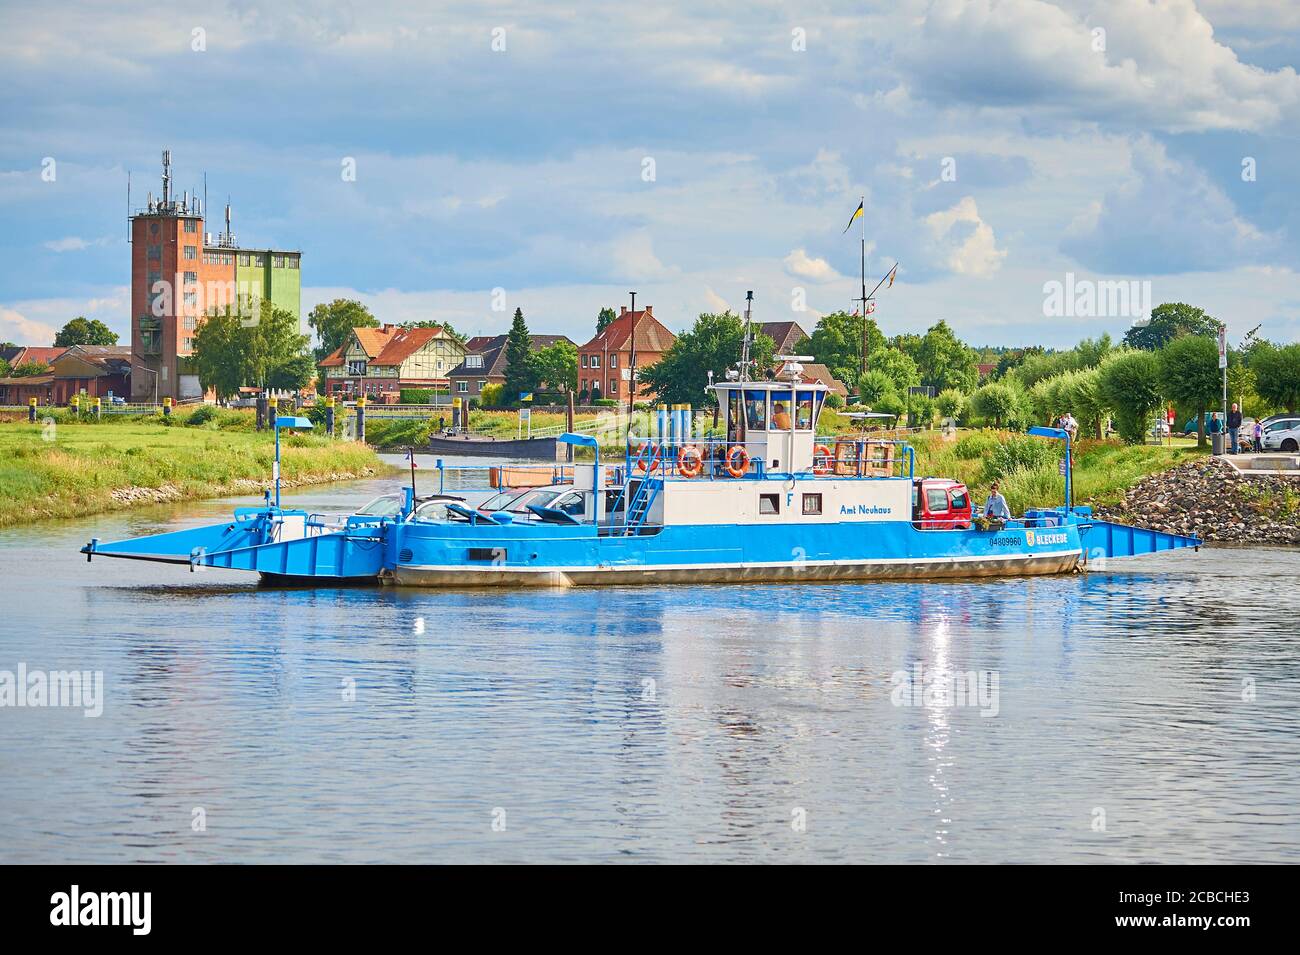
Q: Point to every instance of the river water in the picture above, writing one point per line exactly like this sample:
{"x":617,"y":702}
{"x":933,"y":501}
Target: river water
{"x":1145,"y":713}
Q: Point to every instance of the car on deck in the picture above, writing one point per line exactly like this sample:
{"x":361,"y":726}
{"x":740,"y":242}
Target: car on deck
{"x":940,"y":504}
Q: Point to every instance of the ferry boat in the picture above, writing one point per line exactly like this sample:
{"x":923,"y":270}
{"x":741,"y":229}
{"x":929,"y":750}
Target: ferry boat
{"x":768,"y":500}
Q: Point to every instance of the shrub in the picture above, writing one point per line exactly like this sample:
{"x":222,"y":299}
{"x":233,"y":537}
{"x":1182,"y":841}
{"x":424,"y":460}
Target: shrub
{"x":834,"y":401}
{"x":416,"y":396}
{"x":605,"y":402}
{"x":1020,"y":453}
{"x":201,"y":415}
{"x":974,"y":446}
{"x":491,"y":395}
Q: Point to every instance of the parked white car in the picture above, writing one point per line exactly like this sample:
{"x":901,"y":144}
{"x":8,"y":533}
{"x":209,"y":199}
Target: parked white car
{"x":1282,"y":435}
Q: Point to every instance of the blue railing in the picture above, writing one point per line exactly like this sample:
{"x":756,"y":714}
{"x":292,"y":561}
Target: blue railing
{"x":848,"y":457}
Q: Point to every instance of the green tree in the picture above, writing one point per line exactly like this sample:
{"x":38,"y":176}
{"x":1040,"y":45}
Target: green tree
{"x":603,"y":319}
{"x":1129,"y":384}
{"x":897,"y":365}
{"x":836,"y":342}
{"x":874,"y":386}
{"x":944,"y":361}
{"x":1190,"y":375}
{"x":82,"y":331}
{"x":1169,"y":321}
{"x":521,"y":367}
{"x":995,"y":403}
{"x":29,"y":369}
{"x":1277,"y":374}
{"x":713,"y":344}
{"x":951,"y":403}
{"x":218,"y":354}
{"x":557,"y":365}
{"x":271,"y":353}
{"x":5,"y":368}
{"x":335,"y":320}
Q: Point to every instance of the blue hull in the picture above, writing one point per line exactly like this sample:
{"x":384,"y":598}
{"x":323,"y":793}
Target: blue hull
{"x":484,"y":555}
{"x":286,"y":546}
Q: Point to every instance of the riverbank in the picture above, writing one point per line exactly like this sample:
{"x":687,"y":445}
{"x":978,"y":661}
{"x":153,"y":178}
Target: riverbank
{"x":1212,"y":499}
{"x":1028,"y":470}
{"x":70,"y":469}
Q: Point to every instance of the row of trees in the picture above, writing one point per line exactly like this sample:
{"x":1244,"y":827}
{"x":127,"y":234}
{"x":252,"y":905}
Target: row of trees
{"x":1132,"y":386}
{"x":1172,"y":358}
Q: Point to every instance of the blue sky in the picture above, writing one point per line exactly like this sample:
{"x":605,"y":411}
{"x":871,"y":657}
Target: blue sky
{"x":1115,"y":156}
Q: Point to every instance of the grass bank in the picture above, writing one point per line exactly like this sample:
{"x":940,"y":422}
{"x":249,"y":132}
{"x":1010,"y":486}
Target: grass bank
{"x":68,"y":468}
{"x":1028,"y":468}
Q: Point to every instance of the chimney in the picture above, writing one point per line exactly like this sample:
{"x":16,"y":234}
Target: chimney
{"x":649,"y":310}
{"x":387,"y":328}
{"x":622,"y":310}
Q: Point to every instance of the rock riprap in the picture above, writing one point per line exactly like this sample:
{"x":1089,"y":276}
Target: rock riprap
{"x":1214,"y":501}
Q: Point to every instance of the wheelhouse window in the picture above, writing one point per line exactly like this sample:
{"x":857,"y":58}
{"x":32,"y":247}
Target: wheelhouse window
{"x":769,"y":504}
{"x":755,"y":410}
{"x":803,"y":412}
{"x":781,"y":411}
{"x":812,"y":504}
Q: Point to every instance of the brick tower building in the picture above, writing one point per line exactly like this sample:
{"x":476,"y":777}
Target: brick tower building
{"x":179,"y":275}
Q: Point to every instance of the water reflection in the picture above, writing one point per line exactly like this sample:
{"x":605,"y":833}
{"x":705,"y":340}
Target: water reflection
{"x":656,"y":724}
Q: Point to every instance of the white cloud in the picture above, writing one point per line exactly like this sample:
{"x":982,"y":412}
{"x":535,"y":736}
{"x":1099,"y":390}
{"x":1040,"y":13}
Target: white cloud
{"x":21,"y":330}
{"x":74,"y":243}
{"x":1161,"y":66}
{"x":799,"y":264}
{"x":966,"y":241}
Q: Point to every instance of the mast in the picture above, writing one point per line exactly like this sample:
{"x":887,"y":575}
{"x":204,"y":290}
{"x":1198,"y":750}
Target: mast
{"x":747,"y":338}
{"x":631,"y":371}
{"x":862,"y":370}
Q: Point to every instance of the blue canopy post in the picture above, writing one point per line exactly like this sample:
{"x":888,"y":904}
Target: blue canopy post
{"x":586,"y":441}
{"x":287,"y":421}
{"x":1060,"y":434}
{"x":582,"y":441}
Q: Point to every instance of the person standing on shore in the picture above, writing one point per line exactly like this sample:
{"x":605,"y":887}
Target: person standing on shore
{"x":1258,"y":442}
{"x":1234,"y":425}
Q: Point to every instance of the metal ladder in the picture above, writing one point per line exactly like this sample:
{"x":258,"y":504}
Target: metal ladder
{"x":639,"y":506}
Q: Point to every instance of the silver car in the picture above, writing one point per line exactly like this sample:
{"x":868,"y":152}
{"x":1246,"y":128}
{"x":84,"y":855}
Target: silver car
{"x":1282,"y":435}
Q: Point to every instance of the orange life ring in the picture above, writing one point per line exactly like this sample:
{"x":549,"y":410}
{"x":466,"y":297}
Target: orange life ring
{"x":654,"y":456}
{"x":690,"y":462}
{"x":827,"y":464}
{"x":737,"y":460}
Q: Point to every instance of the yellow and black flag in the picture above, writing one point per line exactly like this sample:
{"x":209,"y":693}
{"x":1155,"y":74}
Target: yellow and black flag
{"x":856,"y":212}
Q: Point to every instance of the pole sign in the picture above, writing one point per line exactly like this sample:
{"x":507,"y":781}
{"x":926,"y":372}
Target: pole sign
{"x":1223,"y":346}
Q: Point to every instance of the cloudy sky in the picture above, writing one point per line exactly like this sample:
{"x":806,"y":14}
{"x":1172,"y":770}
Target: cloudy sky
{"x":570,"y":152}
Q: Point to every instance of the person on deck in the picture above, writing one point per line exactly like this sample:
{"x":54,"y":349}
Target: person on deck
{"x":780,"y":417}
{"x":1234,"y":425}
{"x":996,"y":506}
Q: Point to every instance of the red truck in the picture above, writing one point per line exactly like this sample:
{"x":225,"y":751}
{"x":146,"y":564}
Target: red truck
{"x":940,"y":504}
